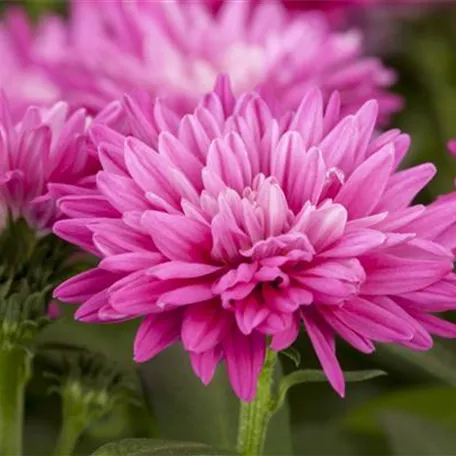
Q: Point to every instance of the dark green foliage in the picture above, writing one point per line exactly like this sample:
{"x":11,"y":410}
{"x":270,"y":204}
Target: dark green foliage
{"x":30,"y":268}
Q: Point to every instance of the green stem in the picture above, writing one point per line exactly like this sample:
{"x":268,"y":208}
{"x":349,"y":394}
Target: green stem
{"x":75,"y":419}
{"x":68,"y":437}
{"x":14,"y":369}
{"x":255,"y":416}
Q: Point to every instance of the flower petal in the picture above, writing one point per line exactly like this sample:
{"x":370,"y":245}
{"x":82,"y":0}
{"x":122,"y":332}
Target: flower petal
{"x":244,"y":357}
{"x":178,"y":237}
{"x":205,"y":363}
{"x":204,"y":326}
{"x":364,"y":188}
{"x":322,"y":338}
{"x":85,"y":285}
{"x":155,"y":334}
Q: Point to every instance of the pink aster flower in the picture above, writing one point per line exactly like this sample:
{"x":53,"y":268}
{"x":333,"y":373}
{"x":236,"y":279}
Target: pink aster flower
{"x":20,"y":75}
{"x":43,"y":149}
{"x":176,"y":49}
{"x":229,"y":226}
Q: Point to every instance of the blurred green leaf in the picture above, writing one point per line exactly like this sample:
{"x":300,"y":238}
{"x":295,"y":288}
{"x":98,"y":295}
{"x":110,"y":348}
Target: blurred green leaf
{"x":185,"y":409}
{"x":37,"y":8}
{"x":320,"y":439}
{"x":413,"y":435}
{"x":94,"y":337}
{"x":314,"y":375}
{"x":438,"y":363}
{"x":436,"y":404}
{"x":149,"y":447}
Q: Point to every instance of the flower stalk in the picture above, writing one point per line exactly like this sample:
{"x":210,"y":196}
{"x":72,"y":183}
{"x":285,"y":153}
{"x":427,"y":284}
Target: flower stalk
{"x":74,"y":411}
{"x":14,"y":374}
{"x":255,"y":416}
{"x":89,"y":386}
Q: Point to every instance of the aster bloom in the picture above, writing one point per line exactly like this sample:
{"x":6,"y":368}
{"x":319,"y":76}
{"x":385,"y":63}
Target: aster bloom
{"x":42,"y":154}
{"x":176,"y":49}
{"x":20,"y":74}
{"x":43,"y":148}
{"x":227,"y":227}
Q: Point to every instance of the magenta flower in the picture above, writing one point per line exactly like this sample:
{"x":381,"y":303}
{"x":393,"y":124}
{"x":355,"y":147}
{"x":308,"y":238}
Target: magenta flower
{"x":452,"y":146}
{"x":42,"y":150}
{"x":227,"y":226}
{"x":176,"y":49}
{"x":20,"y":75}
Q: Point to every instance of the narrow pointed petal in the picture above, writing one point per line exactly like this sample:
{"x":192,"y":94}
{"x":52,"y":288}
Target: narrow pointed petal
{"x":404,"y":186}
{"x":322,"y":339}
{"x":374,"y":322}
{"x":355,"y":243}
{"x":130,"y":262}
{"x":181,"y":270}
{"x":283,"y":340}
{"x":84,"y":285}
{"x":177,"y":237}
{"x":204,"y":326}
{"x":204,"y":364}
{"x":244,"y":357}
{"x":121,"y":192}
{"x":364,"y":188}
{"x":155,"y":334}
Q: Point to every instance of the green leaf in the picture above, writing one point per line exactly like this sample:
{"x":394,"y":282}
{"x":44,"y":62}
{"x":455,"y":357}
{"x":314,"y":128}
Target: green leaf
{"x":187,"y":410}
{"x":314,"y":375}
{"x":413,"y":435}
{"x":437,"y":404}
{"x":293,"y":354}
{"x":149,"y":447}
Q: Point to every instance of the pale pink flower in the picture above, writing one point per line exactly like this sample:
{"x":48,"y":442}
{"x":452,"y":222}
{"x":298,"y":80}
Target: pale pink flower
{"x":229,"y":225}
{"x":177,"y":49}
{"x":42,"y":149}
{"x":20,"y":74}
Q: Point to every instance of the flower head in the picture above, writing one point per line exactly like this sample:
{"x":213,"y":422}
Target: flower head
{"x":43,"y":149}
{"x":20,"y":74}
{"x":176,"y":49}
{"x":229,"y":226}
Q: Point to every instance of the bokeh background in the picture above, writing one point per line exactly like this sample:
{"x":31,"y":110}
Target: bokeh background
{"x":410,"y":411}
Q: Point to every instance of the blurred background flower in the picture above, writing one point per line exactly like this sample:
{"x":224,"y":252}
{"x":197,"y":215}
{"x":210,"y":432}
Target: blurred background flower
{"x":177,"y":49}
{"x":20,"y":75}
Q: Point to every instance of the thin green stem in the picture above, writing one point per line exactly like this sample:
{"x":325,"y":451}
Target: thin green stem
{"x":255,"y":416}
{"x":14,"y":369}
{"x":70,"y":432}
{"x":75,"y":416}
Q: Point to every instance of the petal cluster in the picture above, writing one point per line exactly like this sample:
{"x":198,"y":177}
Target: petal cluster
{"x":176,"y":49}
{"x":20,"y":73}
{"x":230,"y":227}
{"x":40,"y":153}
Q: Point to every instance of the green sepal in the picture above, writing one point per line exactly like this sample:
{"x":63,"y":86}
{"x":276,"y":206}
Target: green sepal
{"x":293,"y":354}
